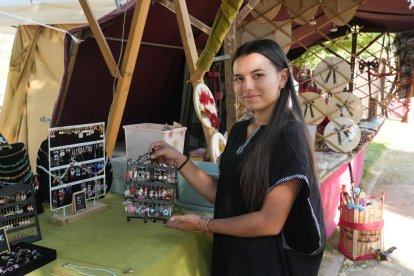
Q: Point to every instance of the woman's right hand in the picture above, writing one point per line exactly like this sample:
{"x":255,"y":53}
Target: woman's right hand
{"x":165,"y":153}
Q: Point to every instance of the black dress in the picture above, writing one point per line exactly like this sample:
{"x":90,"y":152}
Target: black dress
{"x":298,"y":249}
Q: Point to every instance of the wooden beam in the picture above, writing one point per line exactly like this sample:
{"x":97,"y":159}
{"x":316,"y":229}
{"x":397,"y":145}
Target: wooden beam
{"x":127,"y":70}
{"x":191,"y":55}
{"x":186,"y":33}
{"x":245,"y":11}
{"x":194,"y":21}
{"x":100,"y":39}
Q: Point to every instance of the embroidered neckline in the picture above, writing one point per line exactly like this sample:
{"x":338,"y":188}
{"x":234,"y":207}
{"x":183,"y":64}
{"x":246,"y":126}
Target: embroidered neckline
{"x":241,"y":148}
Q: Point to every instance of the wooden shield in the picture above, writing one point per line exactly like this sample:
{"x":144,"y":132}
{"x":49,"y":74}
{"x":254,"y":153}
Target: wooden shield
{"x":302,"y":11}
{"x":340,"y":12}
{"x":266,"y":10}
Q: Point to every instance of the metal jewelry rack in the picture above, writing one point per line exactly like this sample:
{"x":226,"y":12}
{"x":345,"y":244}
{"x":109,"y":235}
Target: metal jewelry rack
{"x":150,"y":189}
{"x":76,"y":162}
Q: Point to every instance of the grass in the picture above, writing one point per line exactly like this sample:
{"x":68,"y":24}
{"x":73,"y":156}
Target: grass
{"x":372,"y":154}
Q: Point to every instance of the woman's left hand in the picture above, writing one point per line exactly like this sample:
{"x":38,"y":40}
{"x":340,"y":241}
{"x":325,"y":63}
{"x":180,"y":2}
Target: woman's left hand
{"x":189,"y":222}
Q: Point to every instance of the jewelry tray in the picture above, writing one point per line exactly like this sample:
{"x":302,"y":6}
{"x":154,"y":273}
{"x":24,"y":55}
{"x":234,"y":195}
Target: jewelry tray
{"x":35,"y":256}
{"x":18,"y":213}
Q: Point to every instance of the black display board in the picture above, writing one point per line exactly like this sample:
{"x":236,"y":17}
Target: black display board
{"x":79,"y":202}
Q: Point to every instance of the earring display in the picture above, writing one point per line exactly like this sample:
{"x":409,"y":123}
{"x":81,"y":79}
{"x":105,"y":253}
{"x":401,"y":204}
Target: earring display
{"x":76,"y":162}
{"x":150,"y":189}
{"x":18,"y":213}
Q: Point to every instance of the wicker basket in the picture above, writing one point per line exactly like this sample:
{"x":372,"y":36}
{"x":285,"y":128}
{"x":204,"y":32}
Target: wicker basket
{"x":361,"y":232}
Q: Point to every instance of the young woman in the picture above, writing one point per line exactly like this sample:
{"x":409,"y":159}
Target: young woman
{"x":268,"y":218}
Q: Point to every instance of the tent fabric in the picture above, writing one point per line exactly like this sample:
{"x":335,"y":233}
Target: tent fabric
{"x":84,"y":93}
{"x":49,"y":12}
{"x":36,"y":69}
{"x":157,"y":85}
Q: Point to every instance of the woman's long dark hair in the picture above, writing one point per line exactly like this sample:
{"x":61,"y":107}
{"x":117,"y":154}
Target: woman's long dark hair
{"x":256,"y":168}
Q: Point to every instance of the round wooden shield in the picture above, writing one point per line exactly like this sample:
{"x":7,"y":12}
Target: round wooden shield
{"x":345,"y":104}
{"x":332,"y":74}
{"x":205,"y":106}
{"x":217,"y":145}
{"x":313,"y":107}
{"x":342,"y":135}
{"x":340,"y":12}
{"x":279,"y":31}
{"x":266,"y":10}
{"x":302,"y":11}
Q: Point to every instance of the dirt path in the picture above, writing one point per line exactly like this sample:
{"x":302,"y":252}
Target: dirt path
{"x":393,"y":174}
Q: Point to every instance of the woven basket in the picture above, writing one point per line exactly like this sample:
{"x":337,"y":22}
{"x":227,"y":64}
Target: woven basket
{"x":361,"y":232}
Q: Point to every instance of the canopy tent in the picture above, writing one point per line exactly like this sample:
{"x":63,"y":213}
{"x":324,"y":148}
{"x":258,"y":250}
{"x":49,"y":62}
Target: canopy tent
{"x":25,"y":12}
{"x":158,"y":82}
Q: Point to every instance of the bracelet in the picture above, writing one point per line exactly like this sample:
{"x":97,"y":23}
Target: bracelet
{"x":183,"y":164}
{"x":208,"y":221}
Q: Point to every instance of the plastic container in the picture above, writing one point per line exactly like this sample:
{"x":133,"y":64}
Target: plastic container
{"x":190,"y":198}
{"x":138,"y":137}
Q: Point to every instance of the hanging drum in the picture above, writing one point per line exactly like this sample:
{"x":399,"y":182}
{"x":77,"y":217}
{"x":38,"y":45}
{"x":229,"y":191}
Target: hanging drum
{"x":340,"y":12}
{"x":279,"y":31}
{"x":205,"y":106}
{"x":217,"y":145}
{"x":266,"y":10}
{"x":342,"y":135}
{"x":313,"y":107}
{"x":345,"y":104}
{"x":332,"y":74}
{"x":302,"y":11}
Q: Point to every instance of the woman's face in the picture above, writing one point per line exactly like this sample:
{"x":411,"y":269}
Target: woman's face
{"x":256,"y":82}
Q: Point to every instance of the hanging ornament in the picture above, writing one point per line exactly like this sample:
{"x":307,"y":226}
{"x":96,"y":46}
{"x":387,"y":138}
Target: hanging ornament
{"x":217,"y":145}
{"x":205,"y":106}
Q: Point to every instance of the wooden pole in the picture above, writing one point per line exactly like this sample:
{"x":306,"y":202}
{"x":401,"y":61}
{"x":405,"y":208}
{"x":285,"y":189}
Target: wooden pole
{"x":100,"y":39}
{"x":127,"y":70}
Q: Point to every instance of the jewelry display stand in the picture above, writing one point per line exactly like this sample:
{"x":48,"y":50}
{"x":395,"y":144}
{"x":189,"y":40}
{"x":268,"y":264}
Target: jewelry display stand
{"x":76,"y":163}
{"x":18,"y":213}
{"x":150,"y":190}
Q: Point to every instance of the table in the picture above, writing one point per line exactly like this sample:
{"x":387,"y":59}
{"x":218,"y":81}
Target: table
{"x":331,"y":184}
{"x":108,"y":241}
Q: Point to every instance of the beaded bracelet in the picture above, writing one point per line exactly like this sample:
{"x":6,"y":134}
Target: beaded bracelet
{"x":208,"y":221}
{"x":183,"y":164}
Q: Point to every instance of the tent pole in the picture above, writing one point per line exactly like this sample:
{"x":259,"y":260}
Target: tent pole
{"x":191,"y":54}
{"x":100,"y":39}
{"x":127,"y":70}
